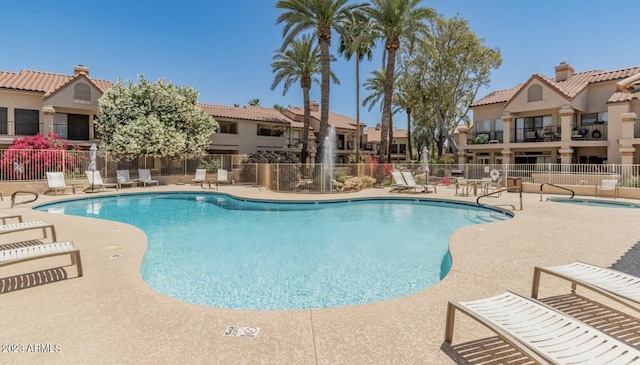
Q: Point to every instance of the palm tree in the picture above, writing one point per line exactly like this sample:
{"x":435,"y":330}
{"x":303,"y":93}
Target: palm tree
{"x":299,"y":62}
{"x":254,"y":102}
{"x":376,"y":84}
{"x":357,"y":39}
{"x":322,"y":16}
{"x":395,"y":20}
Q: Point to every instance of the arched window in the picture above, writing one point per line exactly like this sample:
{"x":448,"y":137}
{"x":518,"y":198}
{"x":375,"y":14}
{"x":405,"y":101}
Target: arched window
{"x":82,"y":92}
{"x":534,"y":93}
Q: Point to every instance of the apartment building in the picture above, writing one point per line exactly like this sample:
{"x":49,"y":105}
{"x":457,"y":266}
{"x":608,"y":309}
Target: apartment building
{"x":574,"y":117}
{"x":33,"y":102}
{"x":399,"y":150}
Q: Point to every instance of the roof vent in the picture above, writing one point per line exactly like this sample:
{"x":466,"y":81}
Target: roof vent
{"x":80,"y":68}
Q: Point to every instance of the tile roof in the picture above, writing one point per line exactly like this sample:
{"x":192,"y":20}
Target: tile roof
{"x":44,"y":82}
{"x":336,"y":120}
{"x":570,"y":87}
{"x":373,"y":134}
{"x":247,"y":112}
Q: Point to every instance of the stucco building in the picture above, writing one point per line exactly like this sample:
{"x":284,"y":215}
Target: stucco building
{"x":574,"y":117}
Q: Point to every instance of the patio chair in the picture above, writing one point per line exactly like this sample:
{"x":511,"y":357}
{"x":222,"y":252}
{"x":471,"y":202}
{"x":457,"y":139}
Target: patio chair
{"x":95,"y":182}
{"x":464,"y":185}
{"x":616,"y":285}
{"x":145,"y":177}
{"x":28,"y":253}
{"x":608,"y":185}
{"x":223,"y":177}
{"x":26,"y":226}
{"x":411,"y":183}
{"x":4,"y":217}
{"x":56,"y":183}
{"x":541,"y":332}
{"x":398,"y":182}
{"x":201,"y":176}
{"x":123,"y":178}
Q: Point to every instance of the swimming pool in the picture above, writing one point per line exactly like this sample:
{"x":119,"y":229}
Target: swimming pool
{"x":218,"y":250}
{"x":596,"y":203}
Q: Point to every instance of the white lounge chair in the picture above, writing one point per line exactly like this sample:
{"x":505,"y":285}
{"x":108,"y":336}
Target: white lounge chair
{"x":28,"y":253}
{"x":398,"y":182}
{"x":411,"y":183}
{"x":464,"y":185}
{"x":56,"y":183}
{"x":616,"y":285}
{"x":4,"y":217}
{"x":541,"y":332}
{"x":144,"y":176}
{"x":223,"y":177}
{"x":608,"y":185}
{"x":122,"y":178}
{"x":201,"y":176}
{"x":96,"y":183}
{"x":26,"y":226}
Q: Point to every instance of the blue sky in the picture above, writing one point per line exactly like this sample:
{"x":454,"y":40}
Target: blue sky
{"x":224,"y":48}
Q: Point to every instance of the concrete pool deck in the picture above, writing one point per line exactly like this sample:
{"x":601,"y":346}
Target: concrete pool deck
{"x":111,"y":316}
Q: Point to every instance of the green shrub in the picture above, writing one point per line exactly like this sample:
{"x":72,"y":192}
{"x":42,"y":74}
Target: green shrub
{"x":631,"y":182}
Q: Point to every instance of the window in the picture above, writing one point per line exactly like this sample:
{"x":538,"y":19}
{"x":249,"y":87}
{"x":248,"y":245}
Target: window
{"x":594,"y":118}
{"x":266,"y":131}
{"x":82,"y":92}
{"x":534,"y":93}
{"x":78,"y":127}
{"x":483,"y":126}
{"x":295,"y":138}
{"x":227,"y":128}
{"x":27,"y":122}
{"x":3,"y":120}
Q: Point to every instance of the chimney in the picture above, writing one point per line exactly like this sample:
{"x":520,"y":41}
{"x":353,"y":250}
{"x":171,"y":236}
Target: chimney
{"x":378,"y":127}
{"x":314,"y":106}
{"x":563,"y":71}
{"x":80,"y":68}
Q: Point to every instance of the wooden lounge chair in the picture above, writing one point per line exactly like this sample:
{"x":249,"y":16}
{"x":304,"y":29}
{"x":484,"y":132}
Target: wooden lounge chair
{"x":411,"y":183}
{"x":542,"y":333}
{"x":616,"y":285}
{"x":96,"y":183}
{"x":28,"y":253}
{"x":201,"y":176}
{"x":56,"y":183}
{"x":123,"y":179}
{"x":26,"y":226}
{"x":144,"y":176}
{"x":608,"y":185}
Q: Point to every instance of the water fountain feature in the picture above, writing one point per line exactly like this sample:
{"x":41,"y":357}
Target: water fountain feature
{"x":328,"y":157}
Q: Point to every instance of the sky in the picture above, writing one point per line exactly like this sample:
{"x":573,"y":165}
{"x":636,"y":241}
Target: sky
{"x":224,"y":49}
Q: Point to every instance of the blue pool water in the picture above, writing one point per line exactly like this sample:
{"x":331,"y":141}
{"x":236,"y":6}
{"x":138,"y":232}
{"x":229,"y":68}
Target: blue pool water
{"x":216,"y":250}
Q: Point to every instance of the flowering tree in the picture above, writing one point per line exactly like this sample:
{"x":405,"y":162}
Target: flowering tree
{"x":31,"y":157}
{"x":157,"y":119}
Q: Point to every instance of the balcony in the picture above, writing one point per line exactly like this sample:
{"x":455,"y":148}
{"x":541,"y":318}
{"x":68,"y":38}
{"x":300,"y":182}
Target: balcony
{"x":636,"y":129}
{"x":490,"y":137}
{"x":594,"y":132}
{"x":27,"y":128}
{"x":548,"y":133}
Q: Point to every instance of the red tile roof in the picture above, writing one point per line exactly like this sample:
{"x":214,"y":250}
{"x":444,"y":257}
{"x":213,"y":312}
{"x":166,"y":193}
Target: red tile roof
{"x":373,"y":134}
{"x":336,"y":120}
{"x":570,"y":87}
{"x":247,"y":112}
{"x":44,"y":82}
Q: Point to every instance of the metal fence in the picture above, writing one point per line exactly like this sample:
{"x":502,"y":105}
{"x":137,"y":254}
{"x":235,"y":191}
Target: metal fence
{"x":29,"y":165}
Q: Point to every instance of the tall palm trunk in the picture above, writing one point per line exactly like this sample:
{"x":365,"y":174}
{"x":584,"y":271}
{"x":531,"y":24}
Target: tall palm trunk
{"x":325,"y":71}
{"x":305,"y":129}
{"x":386,"y":106}
{"x":358,"y":109}
{"x":409,"y":133}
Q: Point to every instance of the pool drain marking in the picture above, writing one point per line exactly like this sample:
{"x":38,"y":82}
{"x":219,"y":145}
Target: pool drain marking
{"x":240,"y":331}
{"x":110,"y":247}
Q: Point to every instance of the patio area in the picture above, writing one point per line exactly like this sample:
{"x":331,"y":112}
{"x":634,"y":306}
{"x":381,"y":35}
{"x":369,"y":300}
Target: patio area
{"x":111,"y":316}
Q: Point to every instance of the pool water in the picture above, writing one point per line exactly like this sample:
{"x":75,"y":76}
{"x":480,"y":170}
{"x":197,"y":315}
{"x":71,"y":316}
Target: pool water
{"x":221,"y":251}
{"x":596,"y":203}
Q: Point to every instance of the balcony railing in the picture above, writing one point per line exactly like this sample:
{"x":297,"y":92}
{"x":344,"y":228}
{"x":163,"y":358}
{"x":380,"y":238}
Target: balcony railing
{"x":491,"y":137}
{"x":4,"y":127}
{"x":595,"y":132}
{"x":27,"y":128}
{"x":544,"y":134}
